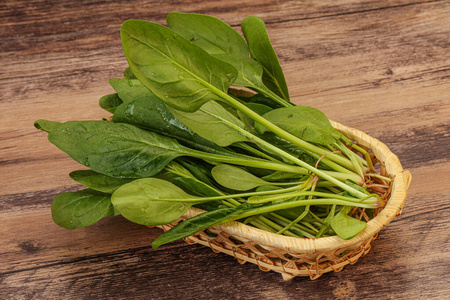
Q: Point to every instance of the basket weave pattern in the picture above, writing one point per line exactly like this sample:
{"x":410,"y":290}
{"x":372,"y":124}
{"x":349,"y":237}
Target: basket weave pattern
{"x":302,"y":256}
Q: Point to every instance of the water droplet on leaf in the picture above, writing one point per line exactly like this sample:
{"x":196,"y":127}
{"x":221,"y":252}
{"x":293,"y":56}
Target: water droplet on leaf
{"x":130,"y":110}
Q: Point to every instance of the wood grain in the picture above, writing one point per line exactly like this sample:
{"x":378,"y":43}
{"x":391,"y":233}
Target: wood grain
{"x":380,"y":66}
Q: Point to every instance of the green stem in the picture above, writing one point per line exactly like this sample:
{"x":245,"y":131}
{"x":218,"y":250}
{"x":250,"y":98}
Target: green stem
{"x":352,"y":156}
{"x":287,"y":227}
{"x":276,"y":226}
{"x":304,"y":230}
{"x":293,"y":159}
{"x":280,"y":132}
{"x":366,"y":156}
{"x":270,"y":165}
{"x":270,"y":198}
{"x":255,"y":151}
{"x":268,"y":93}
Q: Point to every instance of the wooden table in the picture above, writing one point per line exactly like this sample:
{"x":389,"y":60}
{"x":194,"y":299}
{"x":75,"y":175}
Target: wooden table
{"x":380,"y":66}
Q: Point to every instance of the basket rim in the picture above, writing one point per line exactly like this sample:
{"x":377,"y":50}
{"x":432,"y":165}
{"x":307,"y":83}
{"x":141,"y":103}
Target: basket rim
{"x":393,"y":208}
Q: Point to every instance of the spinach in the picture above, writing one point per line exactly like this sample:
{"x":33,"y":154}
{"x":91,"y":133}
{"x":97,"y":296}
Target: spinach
{"x":261,"y":49}
{"x":173,"y":68}
{"x":238,"y":179}
{"x":345,"y":226}
{"x":223,"y":42}
{"x":127,"y":73}
{"x":151,"y":46}
{"x":116,"y":149}
{"x":195,"y":224}
{"x":149,"y":113}
{"x":110,"y":102}
{"x":129,"y":89}
{"x":306,"y":123}
{"x":46,"y":125}
{"x":210,"y":122}
{"x":180,"y":137}
{"x":139,"y":201}
{"x":80,"y":209}
{"x":208,"y":32}
{"x":97,"y":181}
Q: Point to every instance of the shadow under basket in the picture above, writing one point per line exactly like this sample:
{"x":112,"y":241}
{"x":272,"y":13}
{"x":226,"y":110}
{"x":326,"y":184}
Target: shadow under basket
{"x":304,"y":256}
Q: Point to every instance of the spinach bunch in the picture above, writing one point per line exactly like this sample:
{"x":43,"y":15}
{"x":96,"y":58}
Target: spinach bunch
{"x":182,"y":135}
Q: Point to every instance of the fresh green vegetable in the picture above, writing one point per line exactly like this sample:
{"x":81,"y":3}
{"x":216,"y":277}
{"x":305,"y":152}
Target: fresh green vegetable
{"x":180,"y":137}
{"x":80,"y":209}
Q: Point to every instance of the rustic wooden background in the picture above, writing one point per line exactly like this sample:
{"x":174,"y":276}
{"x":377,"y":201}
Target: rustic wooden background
{"x":380,"y":66}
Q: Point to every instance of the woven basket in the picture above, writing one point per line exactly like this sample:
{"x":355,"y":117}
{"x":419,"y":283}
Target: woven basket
{"x":303,"y":256}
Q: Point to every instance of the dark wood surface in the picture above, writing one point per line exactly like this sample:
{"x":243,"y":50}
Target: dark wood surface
{"x":380,"y":66}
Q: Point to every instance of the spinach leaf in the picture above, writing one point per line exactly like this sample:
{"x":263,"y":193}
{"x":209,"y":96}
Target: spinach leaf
{"x":195,"y":187}
{"x":195,"y":224}
{"x":150,"y":113}
{"x":208,"y":32}
{"x":127,"y":73}
{"x":223,"y":42}
{"x":80,"y":209}
{"x":129,"y":89}
{"x":345,"y":226}
{"x":201,"y":171}
{"x":260,"y":99}
{"x":236,"y":178}
{"x":261,"y":50}
{"x":45,"y":125}
{"x":116,"y":149}
{"x":278,"y":176}
{"x":177,"y":71}
{"x":260,"y":109}
{"x":138,"y":201}
{"x":293,"y":149}
{"x":210,"y":122}
{"x":98,"y":181}
{"x":110,"y":102}
{"x":305,"y":122}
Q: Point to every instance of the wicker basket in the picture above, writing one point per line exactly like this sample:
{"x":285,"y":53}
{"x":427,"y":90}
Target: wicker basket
{"x":302,"y":256}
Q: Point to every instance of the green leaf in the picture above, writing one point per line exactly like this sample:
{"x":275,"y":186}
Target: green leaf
{"x":236,"y":178}
{"x":208,"y":32}
{"x":260,"y":109}
{"x":116,"y":149}
{"x":110,"y":102}
{"x":127,"y":73}
{"x":261,"y":49}
{"x":279,"y":176}
{"x":195,"y":187}
{"x":129,"y":89}
{"x":45,"y":125}
{"x":80,"y":209}
{"x":261,"y":99}
{"x":292,"y":149}
{"x":223,"y":42}
{"x":210,"y":122}
{"x":150,"y":113}
{"x":306,"y":123}
{"x":177,"y":71}
{"x":250,"y":72}
{"x":98,"y":181}
{"x":138,"y":201}
{"x":345,"y":226}
{"x":201,"y":171}
{"x":195,"y":224}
